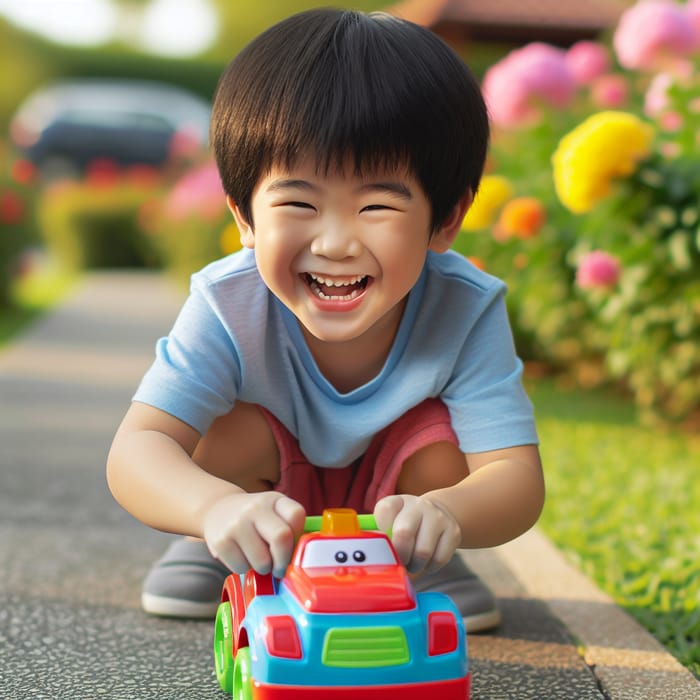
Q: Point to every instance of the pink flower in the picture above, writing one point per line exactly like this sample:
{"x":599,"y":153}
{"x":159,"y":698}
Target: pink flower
{"x":692,"y":11}
{"x":516,"y":87}
{"x":610,"y":91}
{"x":185,"y":143}
{"x":653,"y":34}
{"x":656,"y":97}
{"x":598,"y":270}
{"x":587,"y":60}
{"x":197,"y":192}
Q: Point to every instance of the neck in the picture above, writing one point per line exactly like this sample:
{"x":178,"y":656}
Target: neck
{"x":350,"y":364}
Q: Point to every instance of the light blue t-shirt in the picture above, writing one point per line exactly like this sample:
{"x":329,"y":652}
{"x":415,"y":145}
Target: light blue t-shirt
{"x":234,"y":340}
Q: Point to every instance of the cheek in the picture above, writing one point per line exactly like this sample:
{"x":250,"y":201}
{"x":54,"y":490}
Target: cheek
{"x":275,"y":256}
{"x":403,"y":256}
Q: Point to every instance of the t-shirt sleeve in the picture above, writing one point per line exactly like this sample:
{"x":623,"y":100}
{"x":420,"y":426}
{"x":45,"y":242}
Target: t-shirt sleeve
{"x":488,"y":405}
{"x":196,"y":372}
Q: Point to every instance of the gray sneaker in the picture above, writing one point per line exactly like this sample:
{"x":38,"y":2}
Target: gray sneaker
{"x":185,"y":582}
{"x":476,"y":602}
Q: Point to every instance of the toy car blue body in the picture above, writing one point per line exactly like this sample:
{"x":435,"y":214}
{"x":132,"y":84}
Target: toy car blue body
{"x":344,"y":622}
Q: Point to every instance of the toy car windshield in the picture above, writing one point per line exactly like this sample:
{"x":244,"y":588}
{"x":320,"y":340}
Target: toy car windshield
{"x":348,"y":552}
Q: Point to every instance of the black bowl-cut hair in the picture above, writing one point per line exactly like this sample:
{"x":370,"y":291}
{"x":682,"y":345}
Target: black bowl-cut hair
{"x":340,"y":84}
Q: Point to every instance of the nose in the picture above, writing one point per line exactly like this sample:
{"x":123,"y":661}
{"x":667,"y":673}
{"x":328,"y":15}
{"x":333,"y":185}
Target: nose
{"x":336,"y":242}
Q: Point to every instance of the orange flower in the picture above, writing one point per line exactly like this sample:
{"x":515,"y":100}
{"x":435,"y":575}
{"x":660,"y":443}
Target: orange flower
{"x":477,"y":262}
{"x":521,"y":217}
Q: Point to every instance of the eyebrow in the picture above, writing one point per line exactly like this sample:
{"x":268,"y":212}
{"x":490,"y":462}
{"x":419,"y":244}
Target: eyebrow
{"x":290,"y":184}
{"x":389,"y":187}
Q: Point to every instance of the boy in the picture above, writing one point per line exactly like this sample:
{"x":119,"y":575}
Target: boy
{"x":345,"y":356}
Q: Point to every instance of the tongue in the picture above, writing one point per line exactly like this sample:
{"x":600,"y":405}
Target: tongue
{"x":343,"y":291}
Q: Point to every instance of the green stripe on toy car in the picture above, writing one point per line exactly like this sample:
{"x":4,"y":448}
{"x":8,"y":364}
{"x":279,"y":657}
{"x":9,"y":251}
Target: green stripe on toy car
{"x":365,"y":647}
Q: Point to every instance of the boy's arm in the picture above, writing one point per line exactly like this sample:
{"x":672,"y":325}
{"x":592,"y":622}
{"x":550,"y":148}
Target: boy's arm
{"x":501,"y":498}
{"x":152,"y":475}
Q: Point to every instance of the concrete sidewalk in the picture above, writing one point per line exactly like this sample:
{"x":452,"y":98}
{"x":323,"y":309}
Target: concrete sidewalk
{"x":71,"y":561}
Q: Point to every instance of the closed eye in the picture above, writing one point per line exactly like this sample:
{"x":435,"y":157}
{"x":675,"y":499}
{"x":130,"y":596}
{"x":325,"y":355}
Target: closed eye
{"x":300,"y":205}
{"x":376,"y":207}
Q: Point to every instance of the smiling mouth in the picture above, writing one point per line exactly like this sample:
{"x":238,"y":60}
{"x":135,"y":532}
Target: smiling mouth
{"x":336,"y":288}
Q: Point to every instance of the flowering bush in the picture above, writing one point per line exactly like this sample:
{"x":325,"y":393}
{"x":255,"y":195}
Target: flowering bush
{"x":193,"y":226}
{"x":17,"y":226}
{"x":593,"y":217}
{"x":654,"y":34}
{"x":605,"y":147}
{"x":138,"y":216}
{"x":516,"y":87}
{"x":99,"y":221}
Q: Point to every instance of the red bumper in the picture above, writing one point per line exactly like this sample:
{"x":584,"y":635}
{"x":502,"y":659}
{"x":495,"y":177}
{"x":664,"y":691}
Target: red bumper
{"x":445,"y":690}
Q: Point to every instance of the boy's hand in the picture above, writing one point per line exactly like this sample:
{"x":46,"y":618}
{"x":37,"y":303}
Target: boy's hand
{"x":424,"y":534}
{"x":254,"y":531}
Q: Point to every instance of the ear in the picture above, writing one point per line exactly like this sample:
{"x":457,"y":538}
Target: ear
{"x":444,"y":237}
{"x":244,"y":228}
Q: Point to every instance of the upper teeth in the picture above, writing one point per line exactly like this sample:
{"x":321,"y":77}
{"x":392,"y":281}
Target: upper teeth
{"x":329,"y":282}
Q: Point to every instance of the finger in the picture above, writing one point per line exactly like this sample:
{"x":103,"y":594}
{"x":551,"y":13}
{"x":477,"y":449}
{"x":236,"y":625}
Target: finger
{"x":231,"y":556}
{"x":278,"y":533}
{"x":292,"y":513}
{"x":437,"y":538}
{"x":405,"y":529}
{"x":256,"y":549}
{"x":446,"y":546}
{"x":426,"y":538}
{"x":386,"y":510}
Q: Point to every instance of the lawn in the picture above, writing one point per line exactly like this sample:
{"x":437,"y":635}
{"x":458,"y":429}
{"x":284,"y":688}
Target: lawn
{"x":34,"y":295}
{"x":623,"y":503}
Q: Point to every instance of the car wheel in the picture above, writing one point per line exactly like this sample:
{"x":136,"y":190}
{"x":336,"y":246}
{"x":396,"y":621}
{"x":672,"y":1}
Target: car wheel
{"x":223,"y":647}
{"x":242,"y":676}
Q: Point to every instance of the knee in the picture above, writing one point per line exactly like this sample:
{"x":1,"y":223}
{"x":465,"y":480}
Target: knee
{"x":240,"y":447}
{"x":438,"y":465}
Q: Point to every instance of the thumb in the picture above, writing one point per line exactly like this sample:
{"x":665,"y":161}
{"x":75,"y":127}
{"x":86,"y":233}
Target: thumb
{"x":386,"y":510}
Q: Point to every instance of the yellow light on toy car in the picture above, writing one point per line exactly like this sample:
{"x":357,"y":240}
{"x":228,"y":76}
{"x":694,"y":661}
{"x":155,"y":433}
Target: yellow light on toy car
{"x":340,"y":521}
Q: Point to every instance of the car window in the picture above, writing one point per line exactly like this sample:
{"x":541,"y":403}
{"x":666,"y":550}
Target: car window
{"x":116,"y":120}
{"x":348,"y":552}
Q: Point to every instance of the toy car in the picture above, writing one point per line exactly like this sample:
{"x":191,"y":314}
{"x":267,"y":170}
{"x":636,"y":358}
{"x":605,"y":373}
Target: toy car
{"x":344,"y":622}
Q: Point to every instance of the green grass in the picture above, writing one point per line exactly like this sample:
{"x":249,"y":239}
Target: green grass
{"x":623,"y":502}
{"x":33,"y":296}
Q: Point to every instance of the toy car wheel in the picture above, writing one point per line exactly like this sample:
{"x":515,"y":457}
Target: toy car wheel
{"x":242,"y":676}
{"x":223,"y":647}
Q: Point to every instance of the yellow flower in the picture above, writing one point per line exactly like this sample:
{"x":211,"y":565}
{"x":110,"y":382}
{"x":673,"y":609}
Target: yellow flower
{"x":605,"y":146}
{"x":494,"y":191}
{"x":230,"y":239}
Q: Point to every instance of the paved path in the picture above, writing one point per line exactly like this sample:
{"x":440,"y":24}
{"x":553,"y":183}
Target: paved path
{"x":71,"y":561}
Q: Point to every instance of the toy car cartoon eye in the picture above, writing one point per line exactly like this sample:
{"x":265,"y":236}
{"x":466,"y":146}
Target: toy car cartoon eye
{"x":365,"y":552}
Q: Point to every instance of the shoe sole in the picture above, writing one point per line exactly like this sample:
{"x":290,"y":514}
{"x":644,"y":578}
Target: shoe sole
{"x":176,"y":607}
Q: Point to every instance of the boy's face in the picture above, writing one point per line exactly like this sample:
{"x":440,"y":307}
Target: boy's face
{"x":340,"y":250}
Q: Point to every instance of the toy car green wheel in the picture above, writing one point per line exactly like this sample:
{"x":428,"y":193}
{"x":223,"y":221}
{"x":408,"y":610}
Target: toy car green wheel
{"x":223,"y":647}
{"x":242,"y":676}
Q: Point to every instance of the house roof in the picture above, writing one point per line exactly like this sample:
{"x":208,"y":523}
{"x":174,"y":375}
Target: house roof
{"x":530,"y":19}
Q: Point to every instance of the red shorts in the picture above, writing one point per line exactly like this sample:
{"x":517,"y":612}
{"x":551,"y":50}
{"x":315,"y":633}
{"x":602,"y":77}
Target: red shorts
{"x":361,"y":484}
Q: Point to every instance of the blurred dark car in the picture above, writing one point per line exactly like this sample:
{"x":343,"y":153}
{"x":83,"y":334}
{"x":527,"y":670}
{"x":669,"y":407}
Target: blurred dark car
{"x":68,"y":125}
